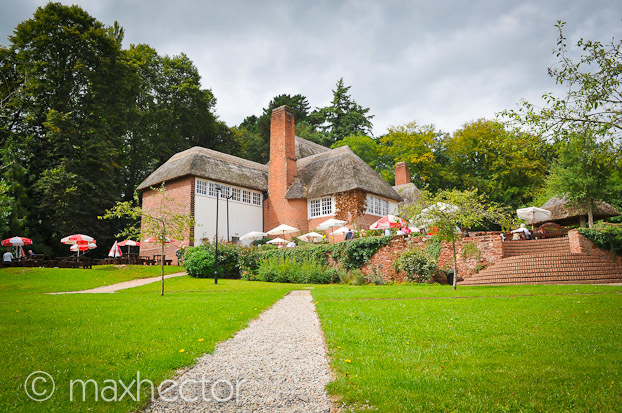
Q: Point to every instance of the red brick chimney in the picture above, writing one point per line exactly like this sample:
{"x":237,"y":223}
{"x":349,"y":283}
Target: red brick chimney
{"x":282,"y":169}
{"x":282,"y":172}
{"x":402,"y":174}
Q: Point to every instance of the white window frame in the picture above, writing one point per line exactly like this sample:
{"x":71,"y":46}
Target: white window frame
{"x":207,"y":188}
{"x":376,"y":206}
{"x":321,"y":207}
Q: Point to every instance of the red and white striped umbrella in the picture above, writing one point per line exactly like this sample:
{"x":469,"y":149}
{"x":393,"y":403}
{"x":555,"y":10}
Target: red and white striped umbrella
{"x":129,"y":243}
{"x":16,"y":242}
{"x":115,"y":251}
{"x":83,"y":246}
{"x":77,"y":239}
{"x":388,"y":221}
{"x":157,"y":239}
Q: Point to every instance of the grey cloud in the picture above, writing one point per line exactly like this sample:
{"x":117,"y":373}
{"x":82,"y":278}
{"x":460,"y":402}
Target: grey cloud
{"x":445,"y":63}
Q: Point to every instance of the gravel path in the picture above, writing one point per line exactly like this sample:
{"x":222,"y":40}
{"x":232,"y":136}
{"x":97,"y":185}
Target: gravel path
{"x":123,"y":285}
{"x":277,"y":364}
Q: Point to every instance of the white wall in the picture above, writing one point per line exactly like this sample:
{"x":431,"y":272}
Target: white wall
{"x":243,"y":218}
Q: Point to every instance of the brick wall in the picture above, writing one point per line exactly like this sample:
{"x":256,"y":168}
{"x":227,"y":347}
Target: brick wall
{"x":181,"y":194}
{"x":489,"y":244}
{"x":581,"y":245}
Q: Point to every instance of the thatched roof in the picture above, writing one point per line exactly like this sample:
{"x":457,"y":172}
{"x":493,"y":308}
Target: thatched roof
{"x":209,"y":164}
{"x":408,"y":191}
{"x":562,"y":209}
{"x":334,"y":171}
{"x":306,"y":148}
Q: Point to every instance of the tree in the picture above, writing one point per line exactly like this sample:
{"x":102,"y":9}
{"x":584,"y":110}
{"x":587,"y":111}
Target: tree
{"x":583,"y":171}
{"x":508,"y":165}
{"x":5,"y":206}
{"x":160,"y":223}
{"x":593,"y":99}
{"x":343,"y":117}
{"x":586,"y":122}
{"x":414,"y":145}
{"x":451,"y":209}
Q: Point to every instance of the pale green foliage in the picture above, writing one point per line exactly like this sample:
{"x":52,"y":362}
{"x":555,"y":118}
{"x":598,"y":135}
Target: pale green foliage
{"x":160,"y":223}
{"x":593,"y":99}
{"x":448,"y":210}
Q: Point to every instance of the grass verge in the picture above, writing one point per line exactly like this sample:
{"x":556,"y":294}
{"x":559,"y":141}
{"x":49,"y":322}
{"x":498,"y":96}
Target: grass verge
{"x":524,"y":348}
{"x":112,"y":336}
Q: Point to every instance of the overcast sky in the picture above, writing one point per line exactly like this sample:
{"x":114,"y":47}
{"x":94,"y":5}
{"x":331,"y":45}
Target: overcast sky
{"x":430,"y":61}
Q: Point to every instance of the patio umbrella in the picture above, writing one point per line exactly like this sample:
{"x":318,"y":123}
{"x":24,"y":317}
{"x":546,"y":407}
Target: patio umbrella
{"x":277,"y":241}
{"x":115,"y":251}
{"x":129,"y":243}
{"x":157,"y":239}
{"x":16,"y":242}
{"x":20,"y":252}
{"x":388,"y":221}
{"x":282,"y":230}
{"x":83,"y":246}
{"x":77,"y":238}
{"x":311,"y":237}
{"x":330,"y":224}
{"x":533,"y":215}
{"x":253,"y":235}
{"x":343,"y":230}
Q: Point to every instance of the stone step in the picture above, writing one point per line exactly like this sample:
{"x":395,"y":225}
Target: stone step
{"x":549,"y":268}
{"x":527,"y":247}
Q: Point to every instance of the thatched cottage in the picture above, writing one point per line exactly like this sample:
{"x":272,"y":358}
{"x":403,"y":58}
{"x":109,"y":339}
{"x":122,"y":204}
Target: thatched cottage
{"x":302,"y":185}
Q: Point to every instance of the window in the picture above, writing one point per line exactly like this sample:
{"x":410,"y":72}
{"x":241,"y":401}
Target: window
{"x":321,"y":207}
{"x":256,"y":199}
{"x":201,"y":187}
{"x":377,"y":206}
{"x":240,"y":195}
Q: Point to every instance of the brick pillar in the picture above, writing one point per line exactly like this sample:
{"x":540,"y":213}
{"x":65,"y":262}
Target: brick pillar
{"x":282,"y":172}
{"x":402,"y":174}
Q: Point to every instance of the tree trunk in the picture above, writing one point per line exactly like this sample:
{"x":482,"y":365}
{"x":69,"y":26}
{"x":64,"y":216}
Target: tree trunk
{"x":590,"y":214}
{"x":162,"y":267}
{"x":455,"y":281}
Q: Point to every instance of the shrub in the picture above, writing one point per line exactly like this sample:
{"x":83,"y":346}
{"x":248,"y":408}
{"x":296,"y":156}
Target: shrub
{"x":418,"y":265}
{"x":199,"y":262}
{"x":480,"y":267}
{"x":605,"y":236}
{"x":228,"y":260}
{"x":286,"y":270}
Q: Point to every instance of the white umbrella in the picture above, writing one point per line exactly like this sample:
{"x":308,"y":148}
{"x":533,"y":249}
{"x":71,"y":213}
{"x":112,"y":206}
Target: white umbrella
{"x":311,"y":237}
{"x":277,"y":241}
{"x":253,"y":235}
{"x":533,"y":214}
{"x":115,"y":251}
{"x":331,"y":223}
{"x":343,"y":230}
{"x":282,"y":230}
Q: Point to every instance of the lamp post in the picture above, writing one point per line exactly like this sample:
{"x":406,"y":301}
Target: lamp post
{"x":228,"y":198}
{"x":218,"y":189}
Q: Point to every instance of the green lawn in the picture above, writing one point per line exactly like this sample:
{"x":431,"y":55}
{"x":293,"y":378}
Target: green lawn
{"x":527,"y":348}
{"x":112,"y":336}
{"x":395,"y":348}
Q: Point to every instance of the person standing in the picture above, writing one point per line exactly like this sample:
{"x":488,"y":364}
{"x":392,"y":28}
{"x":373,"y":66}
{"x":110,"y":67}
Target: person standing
{"x":349,"y":234}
